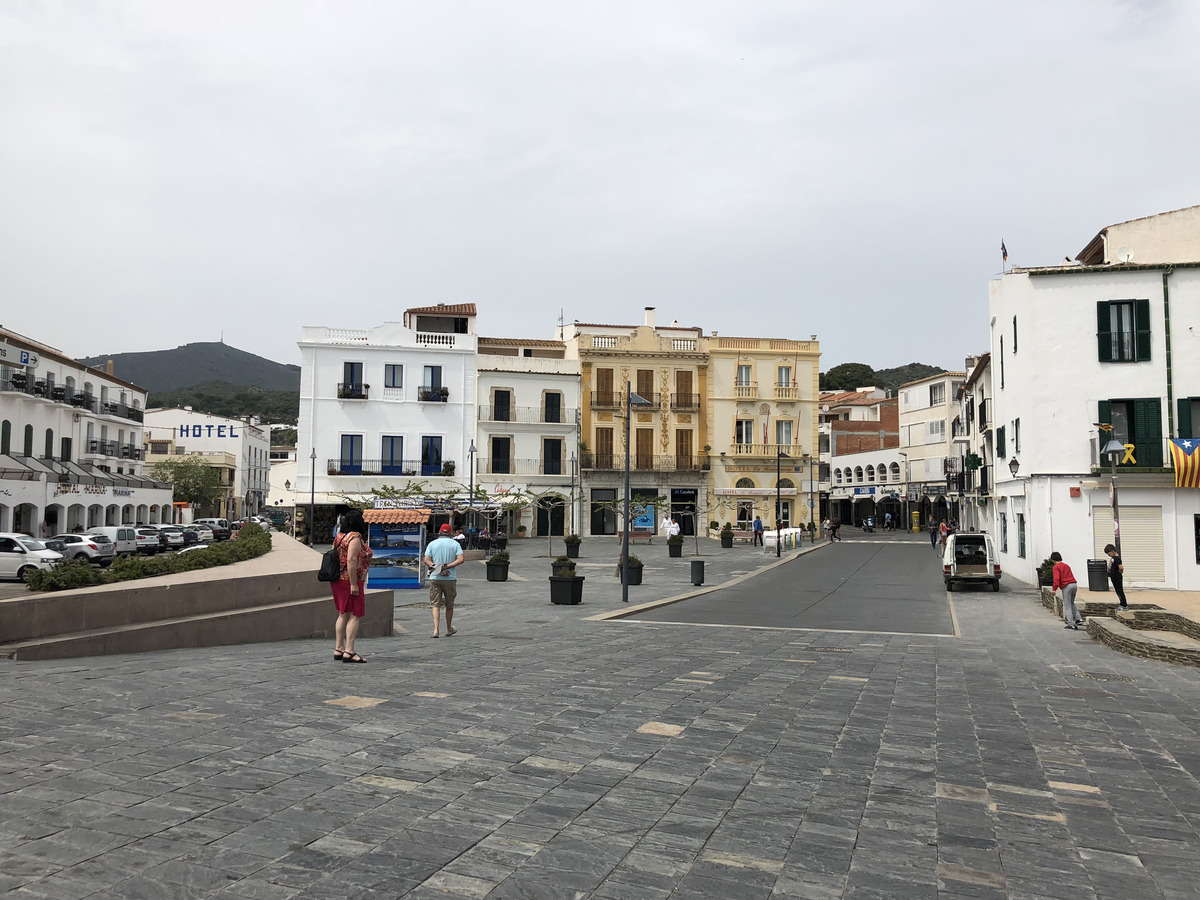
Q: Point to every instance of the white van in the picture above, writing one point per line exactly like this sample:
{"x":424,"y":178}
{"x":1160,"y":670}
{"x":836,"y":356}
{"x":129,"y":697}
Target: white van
{"x":20,"y":555}
{"x":124,"y":538}
{"x":970,"y":557}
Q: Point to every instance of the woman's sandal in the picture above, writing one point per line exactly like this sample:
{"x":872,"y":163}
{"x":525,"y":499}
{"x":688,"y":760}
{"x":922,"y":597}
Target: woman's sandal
{"x":353,"y":658}
{"x":338,"y":655}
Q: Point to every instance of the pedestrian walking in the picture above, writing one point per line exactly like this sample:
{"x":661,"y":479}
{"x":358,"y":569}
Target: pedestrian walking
{"x":827,"y":529}
{"x":933,"y":535}
{"x":836,"y":525}
{"x":1064,"y":578}
{"x":1116,"y":573}
{"x":943,"y":531}
{"x":443,"y":556}
{"x":758,"y":532}
{"x":349,"y":591}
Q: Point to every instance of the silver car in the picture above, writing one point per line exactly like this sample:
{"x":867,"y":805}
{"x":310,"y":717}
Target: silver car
{"x":174,"y":535}
{"x":94,"y":547}
{"x":204,"y":534}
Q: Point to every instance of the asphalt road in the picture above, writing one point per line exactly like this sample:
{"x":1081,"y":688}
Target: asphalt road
{"x":873,"y":583}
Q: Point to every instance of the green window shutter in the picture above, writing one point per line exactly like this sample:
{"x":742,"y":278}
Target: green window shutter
{"x":1001,"y":452}
{"x":1105,"y":413}
{"x":1147,"y":432}
{"x":1184,"y":407}
{"x":1104,"y":331}
{"x":1141,"y":321}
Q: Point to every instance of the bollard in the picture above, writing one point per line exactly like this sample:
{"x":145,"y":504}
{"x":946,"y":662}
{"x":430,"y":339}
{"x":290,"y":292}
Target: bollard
{"x":697,"y":571}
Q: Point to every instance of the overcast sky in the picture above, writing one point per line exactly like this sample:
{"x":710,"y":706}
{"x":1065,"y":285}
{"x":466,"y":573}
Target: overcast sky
{"x":171,"y":171}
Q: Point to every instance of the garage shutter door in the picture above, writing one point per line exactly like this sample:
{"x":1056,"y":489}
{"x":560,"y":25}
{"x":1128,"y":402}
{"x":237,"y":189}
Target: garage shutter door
{"x":1141,"y":540}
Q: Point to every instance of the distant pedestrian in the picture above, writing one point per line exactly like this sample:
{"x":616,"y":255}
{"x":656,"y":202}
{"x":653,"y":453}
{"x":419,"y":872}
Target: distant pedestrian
{"x":1116,"y":573}
{"x":1064,"y":578}
{"x":442,"y":556}
{"x":349,"y":591}
{"x":827,"y":529}
{"x":943,"y":532}
{"x":758,"y":532}
{"x":933,"y":535}
{"x":887,"y":521}
{"x":836,"y":525}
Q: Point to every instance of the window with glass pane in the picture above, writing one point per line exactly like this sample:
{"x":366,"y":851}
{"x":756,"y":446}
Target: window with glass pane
{"x":785,"y":376}
{"x":1021,"y":535}
{"x":937,"y":394}
{"x":783,"y":433}
{"x":431,"y":454}
{"x":501,"y":456}
{"x":352,"y":375}
{"x":393,"y":376}
{"x":350,"y":462}
{"x":1003,"y":532}
{"x":553,"y":408}
{"x":433,"y":378}
{"x":501,"y":405}
{"x":392,"y":455}
{"x":1120,"y":322}
{"x":744,"y":431}
{"x":743,"y":375}
{"x":552,"y":456}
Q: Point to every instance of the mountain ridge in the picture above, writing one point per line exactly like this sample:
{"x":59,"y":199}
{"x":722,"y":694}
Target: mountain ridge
{"x":159,"y":371}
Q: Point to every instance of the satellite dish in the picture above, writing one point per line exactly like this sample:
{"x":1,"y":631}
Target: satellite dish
{"x":1125,"y":254}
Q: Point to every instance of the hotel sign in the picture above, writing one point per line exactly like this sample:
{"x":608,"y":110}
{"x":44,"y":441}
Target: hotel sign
{"x":754,"y":492}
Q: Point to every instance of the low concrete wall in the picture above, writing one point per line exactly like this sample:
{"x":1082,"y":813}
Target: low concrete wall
{"x":1138,"y":643}
{"x":276,"y":596}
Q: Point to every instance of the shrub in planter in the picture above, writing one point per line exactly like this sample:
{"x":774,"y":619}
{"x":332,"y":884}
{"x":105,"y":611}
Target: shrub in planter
{"x":566,"y":591}
{"x":1046,"y":572}
{"x":521,"y":529}
{"x":563,"y":567}
{"x":635,"y":569}
{"x":74,"y":573}
{"x":497,"y":567}
{"x":714,"y":525}
{"x":675,"y":546}
{"x":727,"y":536}
{"x":447,"y":469}
{"x":572,"y":541}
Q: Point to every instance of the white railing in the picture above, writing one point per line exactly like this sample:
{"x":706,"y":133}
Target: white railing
{"x":604,"y":342}
{"x":346,"y":336}
{"x":435,"y":340}
{"x":393,"y":393}
{"x":683,"y":344}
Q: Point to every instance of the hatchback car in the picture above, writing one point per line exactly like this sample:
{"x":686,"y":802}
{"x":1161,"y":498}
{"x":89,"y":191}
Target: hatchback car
{"x":21,"y":555}
{"x":204,"y":534}
{"x":174,"y":535}
{"x":149,"y":540}
{"x":94,"y":547}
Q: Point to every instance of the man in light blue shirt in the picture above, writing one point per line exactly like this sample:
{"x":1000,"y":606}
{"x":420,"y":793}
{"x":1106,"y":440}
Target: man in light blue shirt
{"x":443,"y":556}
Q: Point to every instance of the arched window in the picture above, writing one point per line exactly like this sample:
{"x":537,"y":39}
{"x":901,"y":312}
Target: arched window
{"x":745,"y":483}
{"x":870,"y":473}
{"x":49,"y":454}
{"x":786,"y":483}
{"x":895,"y":471}
{"x":837,"y":476}
{"x":28,"y":448}
{"x":5,"y":437}
{"x":858,"y":474}
{"x":70,"y":384}
{"x":849,"y":475}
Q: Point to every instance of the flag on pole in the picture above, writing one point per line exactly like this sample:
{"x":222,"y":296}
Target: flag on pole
{"x":1003,"y":251}
{"x":1186,"y":461}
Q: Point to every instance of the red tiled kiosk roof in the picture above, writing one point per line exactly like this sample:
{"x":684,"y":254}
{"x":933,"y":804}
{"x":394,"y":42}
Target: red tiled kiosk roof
{"x":397,"y":516}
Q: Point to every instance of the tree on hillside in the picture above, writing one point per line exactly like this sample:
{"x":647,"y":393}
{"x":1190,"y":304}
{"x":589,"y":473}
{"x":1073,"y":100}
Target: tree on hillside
{"x":194,"y":481}
{"x":847,"y":377}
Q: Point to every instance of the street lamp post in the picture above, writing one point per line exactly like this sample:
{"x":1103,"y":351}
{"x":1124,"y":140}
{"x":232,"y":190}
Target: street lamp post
{"x":907,"y":525}
{"x":779,"y":457}
{"x":631,"y":400}
{"x":813,"y":469}
{"x":574,"y":462}
{"x":312,"y":498}
{"x":471,"y":451}
{"x":287,"y":486}
{"x":1114,"y":450}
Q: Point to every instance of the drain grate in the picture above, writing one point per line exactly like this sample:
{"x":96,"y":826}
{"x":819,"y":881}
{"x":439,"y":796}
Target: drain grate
{"x":1104,"y":676}
{"x":1079,"y":693}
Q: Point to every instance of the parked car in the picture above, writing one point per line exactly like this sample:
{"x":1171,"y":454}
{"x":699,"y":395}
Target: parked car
{"x":123,"y":537}
{"x":21,"y":555}
{"x":202,"y":533}
{"x":174,"y":535}
{"x":149,"y":541}
{"x":96,"y":548}
{"x":220,"y":528}
{"x":970,"y":557}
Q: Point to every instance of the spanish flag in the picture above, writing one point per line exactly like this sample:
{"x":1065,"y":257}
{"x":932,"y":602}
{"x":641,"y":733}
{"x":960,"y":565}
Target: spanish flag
{"x":1186,"y":461}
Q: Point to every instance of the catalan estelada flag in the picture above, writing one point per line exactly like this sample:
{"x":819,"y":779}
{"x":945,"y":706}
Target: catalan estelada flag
{"x":1186,"y":461}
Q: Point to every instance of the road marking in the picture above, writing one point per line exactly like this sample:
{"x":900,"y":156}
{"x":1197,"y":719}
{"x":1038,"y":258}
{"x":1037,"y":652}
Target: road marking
{"x":663,"y":728}
{"x":794,"y":628}
{"x":953,"y":615}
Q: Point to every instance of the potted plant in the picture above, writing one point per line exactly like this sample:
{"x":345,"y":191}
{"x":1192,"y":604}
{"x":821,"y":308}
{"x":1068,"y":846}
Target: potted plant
{"x":727,"y":535}
{"x":704,"y":466}
{"x":445,"y":392}
{"x":1046,"y":572}
{"x":675,"y":546}
{"x":714,"y":525}
{"x":497,"y":567}
{"x":563,"y":567}
{"x":634,"y":567}
{"x":573,"y":541}
{"x":521,"y":529}
{"x":566,"y":590}
{"x":448,"y":468}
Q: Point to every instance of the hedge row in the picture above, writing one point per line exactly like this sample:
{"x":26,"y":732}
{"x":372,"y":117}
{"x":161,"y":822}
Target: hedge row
{"x":252,"y":541}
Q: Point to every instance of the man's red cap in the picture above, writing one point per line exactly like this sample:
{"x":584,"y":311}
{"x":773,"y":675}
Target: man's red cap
{"x":445,"y":529}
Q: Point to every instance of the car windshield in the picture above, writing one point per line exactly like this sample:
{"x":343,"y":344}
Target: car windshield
{"x":98,"y":538}
{"x":31,"y":544}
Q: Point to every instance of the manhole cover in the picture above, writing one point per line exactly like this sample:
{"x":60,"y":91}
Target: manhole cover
{"x":1104,"y":676}
{"x":1079,"y":693}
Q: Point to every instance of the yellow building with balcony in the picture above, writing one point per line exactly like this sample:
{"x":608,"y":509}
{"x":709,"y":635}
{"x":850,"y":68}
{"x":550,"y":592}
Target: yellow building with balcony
{"x":667,"y":367}
{"x":762,"y":419}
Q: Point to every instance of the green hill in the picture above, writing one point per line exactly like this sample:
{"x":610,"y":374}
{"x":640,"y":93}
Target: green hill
{"x":223,"y":399}
{"x":159,"y":371}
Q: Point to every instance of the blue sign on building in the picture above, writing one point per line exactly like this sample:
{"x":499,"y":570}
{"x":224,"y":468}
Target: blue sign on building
{"x":864,"y":490}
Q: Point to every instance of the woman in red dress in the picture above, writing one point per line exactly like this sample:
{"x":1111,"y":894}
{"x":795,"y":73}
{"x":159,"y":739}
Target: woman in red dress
{"x":349,"y":590}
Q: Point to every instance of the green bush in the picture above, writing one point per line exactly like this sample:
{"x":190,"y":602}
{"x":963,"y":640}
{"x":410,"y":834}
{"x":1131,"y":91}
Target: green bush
{"x":675,"y":540}
{"x":252,"y":541}
{"x":501,"y":556}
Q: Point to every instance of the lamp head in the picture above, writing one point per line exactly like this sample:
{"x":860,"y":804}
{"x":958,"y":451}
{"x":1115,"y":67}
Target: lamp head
{"x":1013,"y":465}
{"x":1114,"y":450}
{"x":287,"y":485}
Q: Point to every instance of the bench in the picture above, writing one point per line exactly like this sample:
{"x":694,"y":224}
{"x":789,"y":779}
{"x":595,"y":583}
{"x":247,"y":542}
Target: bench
{"x":743,"y":536}
{"x":647,"y":536}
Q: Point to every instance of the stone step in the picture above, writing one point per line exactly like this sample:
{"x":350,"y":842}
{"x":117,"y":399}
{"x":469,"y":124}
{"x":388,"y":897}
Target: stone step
{"x":1168,"y":646}
{"x":305,"y":618}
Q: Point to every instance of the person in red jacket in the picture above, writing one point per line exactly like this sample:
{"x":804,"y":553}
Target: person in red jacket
{"x":1064,"y":578}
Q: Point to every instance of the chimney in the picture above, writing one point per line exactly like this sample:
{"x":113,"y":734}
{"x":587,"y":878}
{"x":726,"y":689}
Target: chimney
{"x":649,"y":316}
{"x":109,"y":368}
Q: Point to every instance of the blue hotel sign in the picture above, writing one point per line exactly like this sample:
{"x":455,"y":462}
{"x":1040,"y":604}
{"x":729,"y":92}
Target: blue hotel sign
{"x":864,"y":490}
{"x":199,"y":431}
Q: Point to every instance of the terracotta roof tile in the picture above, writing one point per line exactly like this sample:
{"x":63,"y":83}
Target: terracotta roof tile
{"x":444,"y":309}
{"x":397,"y":516}
{"x":519,"y":342}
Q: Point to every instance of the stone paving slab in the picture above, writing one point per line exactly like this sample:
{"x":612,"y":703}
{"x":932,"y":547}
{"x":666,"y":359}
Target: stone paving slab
{"x":540,"y":754}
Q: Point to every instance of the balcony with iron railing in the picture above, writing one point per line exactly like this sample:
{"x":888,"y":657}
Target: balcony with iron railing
{"x":353,"y":390}
{"x":528,"y":415}
{"x":982,"y":416}
{"x":644,"y":462}
{"x":388,"y":467}
{"x":607,"y":399}
{"x":959,"y":432}
{"x":102,"y":448}
{"x":20,"y":382}
{"x":427,"y":394}
{"x":746,"y":391}
{"x":685,"y":401}
{"x":787,"y":392}
{"x":503,"y":465}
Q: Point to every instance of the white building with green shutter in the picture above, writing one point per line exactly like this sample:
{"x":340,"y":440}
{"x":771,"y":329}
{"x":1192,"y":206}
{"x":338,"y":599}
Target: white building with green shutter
{"x":1112,"y":338}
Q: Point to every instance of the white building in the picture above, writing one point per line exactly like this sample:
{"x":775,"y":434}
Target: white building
{"x":1082,"y":345}
{"x":224,"y":440}
{"x":972,"y":437}
{"x":390,"y":405}
{"x":528,"y":429}
{"x":927,"y":407}
{"x":70,"y":445}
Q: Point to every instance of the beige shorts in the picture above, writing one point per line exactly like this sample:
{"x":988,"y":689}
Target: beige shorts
{"x":442,"y":593}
